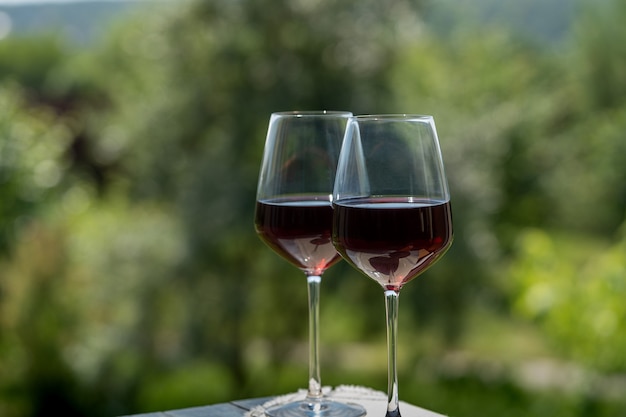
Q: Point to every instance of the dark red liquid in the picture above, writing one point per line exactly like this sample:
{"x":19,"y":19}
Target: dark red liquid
{"x":299,"y":230}
{"x":392,"y":240}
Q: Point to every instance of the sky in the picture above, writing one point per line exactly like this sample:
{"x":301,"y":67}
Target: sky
{"x":6,"y":21}
{"x":19,"y":2}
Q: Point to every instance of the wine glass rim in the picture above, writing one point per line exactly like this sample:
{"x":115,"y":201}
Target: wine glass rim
{"x":393,"y":116}
{"x":312,"y":113}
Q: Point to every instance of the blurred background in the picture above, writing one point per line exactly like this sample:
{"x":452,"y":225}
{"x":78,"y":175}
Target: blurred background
{"x":131,"y":279}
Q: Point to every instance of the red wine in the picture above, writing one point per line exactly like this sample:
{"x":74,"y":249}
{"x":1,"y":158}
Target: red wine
{"x":299,"y":230}
{"x":392,"y":240}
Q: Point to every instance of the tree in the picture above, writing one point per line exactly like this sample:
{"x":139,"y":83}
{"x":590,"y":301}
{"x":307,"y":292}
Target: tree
{"x":33,"y":162}
{"x":191,"y":90}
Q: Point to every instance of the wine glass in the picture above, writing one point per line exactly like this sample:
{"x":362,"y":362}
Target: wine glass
{"x":294,"y":218}
{"x":392,"y":217}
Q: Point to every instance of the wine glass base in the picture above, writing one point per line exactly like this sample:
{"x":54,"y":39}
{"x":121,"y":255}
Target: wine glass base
{"x":323,"y":408}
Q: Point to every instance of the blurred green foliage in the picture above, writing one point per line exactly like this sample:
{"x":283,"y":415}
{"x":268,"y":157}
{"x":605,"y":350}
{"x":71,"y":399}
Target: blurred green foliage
{"x":575,"y":288}
{"x":130,"y":276}
{"x":32,"y":163}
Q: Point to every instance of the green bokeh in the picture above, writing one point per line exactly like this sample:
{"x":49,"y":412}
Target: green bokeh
{"x":131,"y":279}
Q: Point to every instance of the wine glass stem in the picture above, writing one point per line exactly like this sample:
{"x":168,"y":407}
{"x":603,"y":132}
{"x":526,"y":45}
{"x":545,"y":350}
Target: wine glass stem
{"x":314,"y":392}
{"x":391,"y":304}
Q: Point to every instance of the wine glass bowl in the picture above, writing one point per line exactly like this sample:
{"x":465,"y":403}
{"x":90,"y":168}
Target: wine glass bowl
{"x":392,"y":240}
{"x":298,"y":229}
{"x":392,"y":217}
{"x":294,"y":217}
{"x":293,"y":210}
